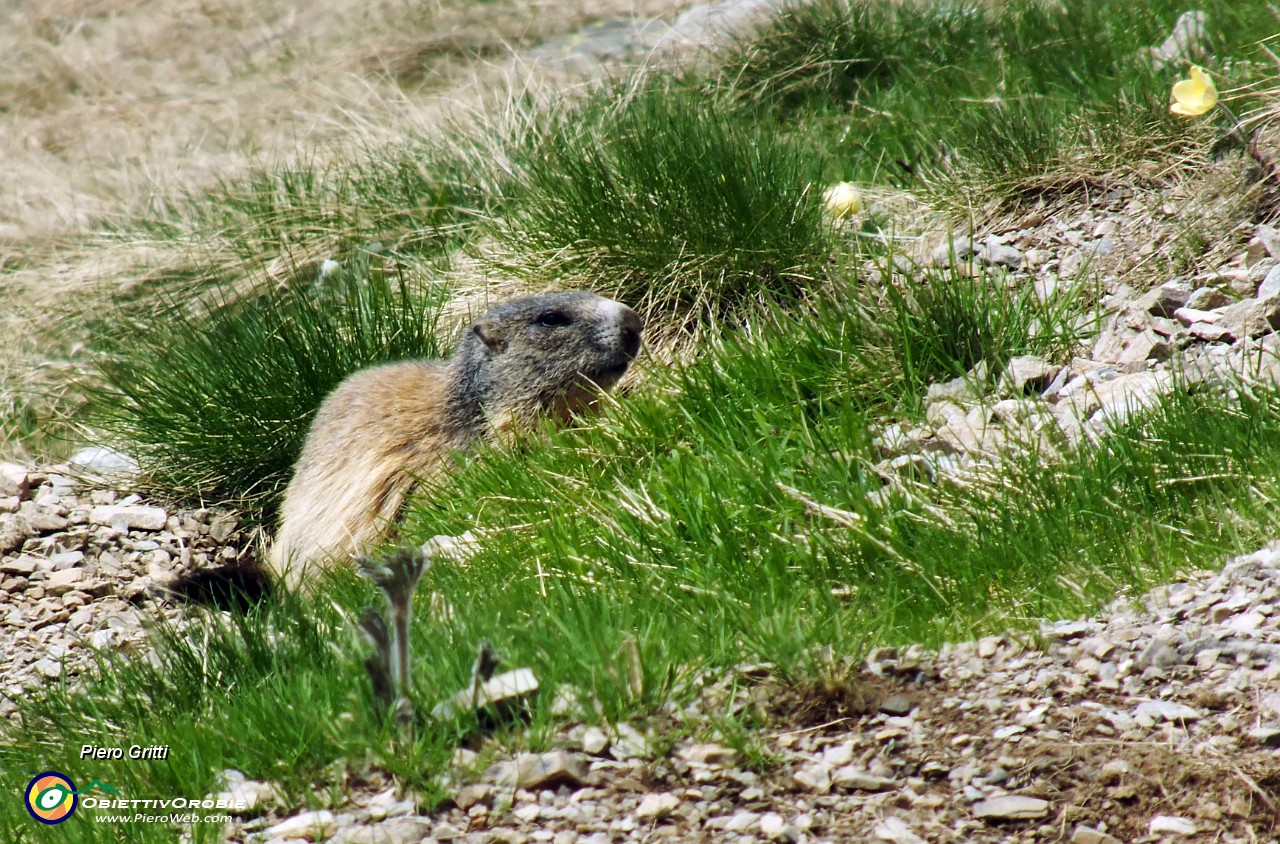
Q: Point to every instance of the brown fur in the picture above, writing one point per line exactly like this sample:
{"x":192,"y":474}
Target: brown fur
{"x":386,"y":427}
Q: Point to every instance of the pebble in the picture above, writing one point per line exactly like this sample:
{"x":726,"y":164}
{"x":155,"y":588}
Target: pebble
{"x":129,"y":517}
{"x":1156,"y":711}
{"x":102,"y":464}
{"x":741,"y":822}
{"x":815,"y":778}
{"x":1270,"y":286}
{"x":897,"y":831}
{"x":393,"y":831}
{"x":62,"y":582}
{"x":1089,"y":835}
{"x":838,"y":754}
{"x":19,"y":565}
{"x":897,"y":705}
{"x":312,"y":826}
{"x":470,"y":795}
{"x":775,"y":828}
{"x":657,"y":806}
{"x":1266,"y":736}
{"x":50,"y":668}
{"x":446,"y":832}
{"x":383,"y":804}
{"x":708,"y":754}
{"x":855,"y":778}
{"x":1170,"y":824}
{"x":536,"y":771}
{"x":1011,"y":807}
{"x":594,"y":741}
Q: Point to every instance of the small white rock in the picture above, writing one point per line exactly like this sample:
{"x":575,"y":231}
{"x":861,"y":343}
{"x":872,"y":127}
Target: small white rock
{"x":838,"y":754}
{"x":1170,"y":824}
{"x":446,"y":832}
{"x":62,"y":582}
{"x":741,"y":822}
{"x":48,"y":668}
{"x":772,"y":826}
{"x":657,"y":806}
{"x":594,"y":741}
{"x":245,"y":796}
{"x":1089,"y":835}
{"x":313,"y":826}
{"x":815,"y":778}
{"x":1011,"y":807}
{"x":381,"y":804}
{"x":131,"y":518}
{"x":896,"y":831}
{"x":853,"y":777}
{"x":1156,"y":711}
{"x":101,"y":462}
{"x":708,"y":753}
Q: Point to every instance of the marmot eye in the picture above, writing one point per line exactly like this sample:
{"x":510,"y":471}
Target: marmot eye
{"x":551,"y":319}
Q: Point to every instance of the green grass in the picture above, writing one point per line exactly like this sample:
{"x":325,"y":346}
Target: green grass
{"x":214,"y":401}
{"x":698,"y":193}
{"x":939,"y":326}
{"x":964,"y":97}
{"x":676,"y":202}
{"x":417,"y":197}
{"x":236,"y":692}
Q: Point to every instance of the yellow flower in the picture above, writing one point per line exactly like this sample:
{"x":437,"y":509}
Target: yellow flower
{"x":1193,"y":97}
{"x":842,"y":200}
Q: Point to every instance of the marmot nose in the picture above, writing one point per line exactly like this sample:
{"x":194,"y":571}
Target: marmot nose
{"x":629,"y":328}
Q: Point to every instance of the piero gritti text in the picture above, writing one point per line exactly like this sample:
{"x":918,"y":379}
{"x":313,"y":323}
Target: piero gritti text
{"x":135,"y":751}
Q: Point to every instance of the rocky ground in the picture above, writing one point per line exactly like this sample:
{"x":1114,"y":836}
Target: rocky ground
{"x":80,"y":570}
{"x":1216,"y":325}
{"x":1156,"y":721}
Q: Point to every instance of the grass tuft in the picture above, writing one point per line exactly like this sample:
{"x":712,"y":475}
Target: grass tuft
{"x":215,"y":401}
{"x":816,"y":54}
{"x":677,"y":204}
{"x":943,"y":324}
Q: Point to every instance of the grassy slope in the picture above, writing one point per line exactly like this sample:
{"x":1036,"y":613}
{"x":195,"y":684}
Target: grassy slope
{"x":112,"y":108}
{"x":666,"y":555}
{"x":673,"y":534}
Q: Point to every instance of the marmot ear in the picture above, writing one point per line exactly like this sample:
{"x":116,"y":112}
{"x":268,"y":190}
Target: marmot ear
{"x":490,"y":331}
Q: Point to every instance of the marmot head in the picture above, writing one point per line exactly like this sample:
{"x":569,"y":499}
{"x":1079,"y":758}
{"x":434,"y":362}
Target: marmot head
{"x":550,"y":353}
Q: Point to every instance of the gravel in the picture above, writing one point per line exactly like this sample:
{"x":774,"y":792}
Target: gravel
{"x":80,"y":569}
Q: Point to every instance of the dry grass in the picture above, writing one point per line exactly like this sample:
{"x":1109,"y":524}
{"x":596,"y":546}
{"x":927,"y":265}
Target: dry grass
{"x":109,"y":101}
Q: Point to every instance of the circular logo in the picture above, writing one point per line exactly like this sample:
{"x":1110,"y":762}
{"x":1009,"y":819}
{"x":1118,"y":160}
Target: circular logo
{"x":51,"y":797}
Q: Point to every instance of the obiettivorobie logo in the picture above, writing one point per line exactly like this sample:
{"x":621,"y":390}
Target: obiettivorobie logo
{"x":52,"y":797}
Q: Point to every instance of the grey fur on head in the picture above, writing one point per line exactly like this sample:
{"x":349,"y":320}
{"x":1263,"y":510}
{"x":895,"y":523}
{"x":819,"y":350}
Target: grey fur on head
{"x":539,"y":351}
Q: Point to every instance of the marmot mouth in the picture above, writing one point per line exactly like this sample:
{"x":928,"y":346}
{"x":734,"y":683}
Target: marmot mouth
{"x":607,"y":376}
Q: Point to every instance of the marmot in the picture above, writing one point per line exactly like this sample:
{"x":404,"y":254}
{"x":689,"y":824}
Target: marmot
{"x":385,"y":427}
